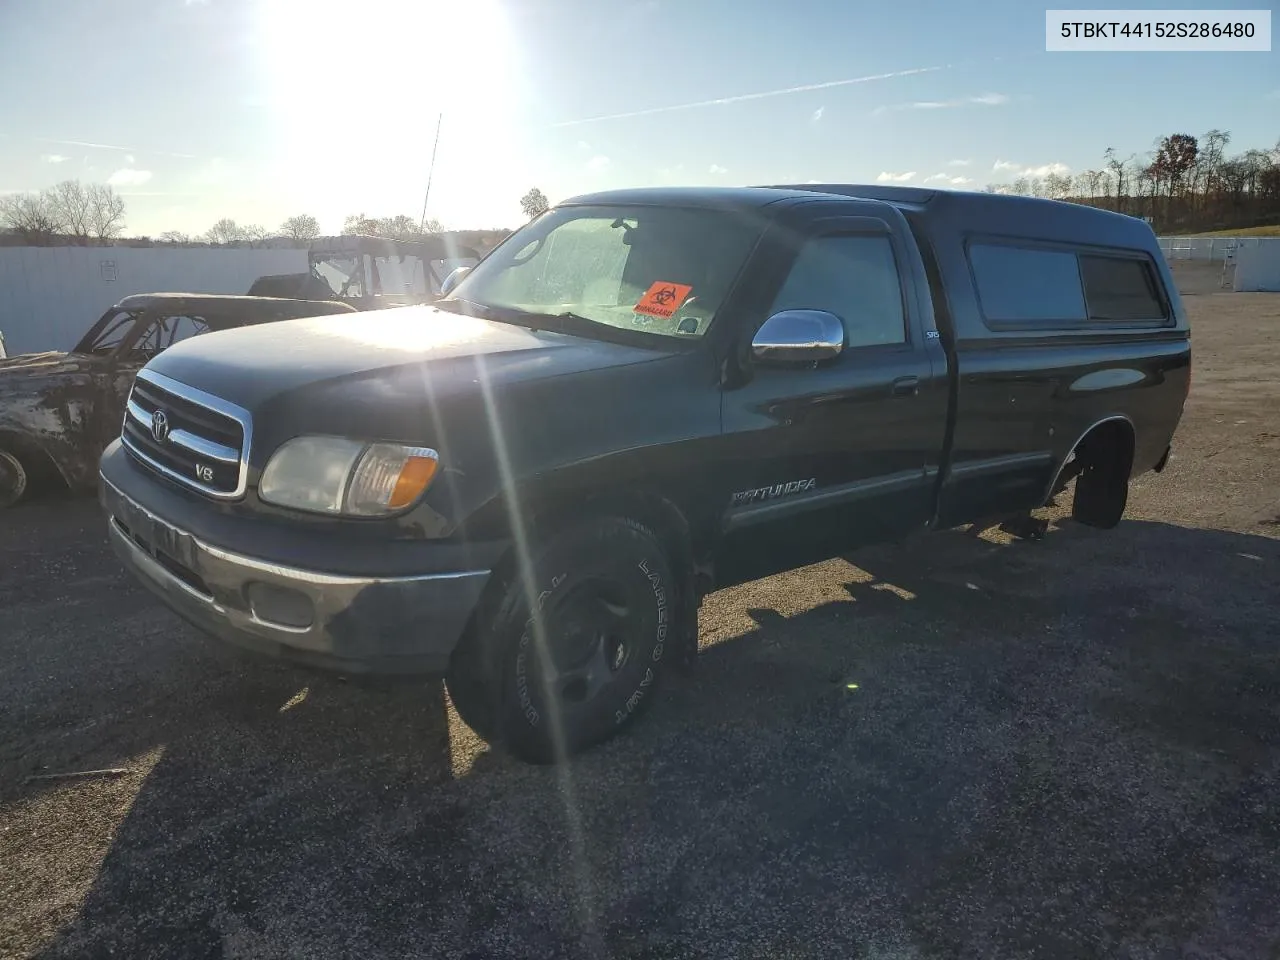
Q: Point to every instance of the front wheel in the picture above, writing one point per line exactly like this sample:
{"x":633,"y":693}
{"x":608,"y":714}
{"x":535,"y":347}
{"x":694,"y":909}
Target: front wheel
{"x":565,"y":657}
{"x":13,"y":479}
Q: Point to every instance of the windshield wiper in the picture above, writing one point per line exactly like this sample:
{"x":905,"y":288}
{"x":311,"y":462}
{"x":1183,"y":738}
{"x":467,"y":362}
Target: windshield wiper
{"x":458,"y":305}
{"x":564,"y":322}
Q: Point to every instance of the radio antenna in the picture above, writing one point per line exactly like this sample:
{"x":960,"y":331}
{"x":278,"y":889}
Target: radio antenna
{"x":430,"y":171}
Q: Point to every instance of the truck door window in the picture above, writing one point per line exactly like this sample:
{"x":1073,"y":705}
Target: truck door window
{"x":854,"y":277}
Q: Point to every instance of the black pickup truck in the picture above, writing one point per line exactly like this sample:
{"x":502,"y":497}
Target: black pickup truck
{"x":637,"y":398}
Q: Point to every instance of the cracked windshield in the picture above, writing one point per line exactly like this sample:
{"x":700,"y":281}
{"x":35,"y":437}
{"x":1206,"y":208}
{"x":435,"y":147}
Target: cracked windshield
{"x":639,"y":479}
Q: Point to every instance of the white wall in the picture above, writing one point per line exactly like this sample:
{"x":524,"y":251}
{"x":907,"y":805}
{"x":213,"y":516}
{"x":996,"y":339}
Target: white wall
{"x":1258,"y":267}
{"x":49,"y":296}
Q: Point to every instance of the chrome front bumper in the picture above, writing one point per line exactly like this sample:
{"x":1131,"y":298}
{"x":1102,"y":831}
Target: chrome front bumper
{"x":387,"y":625}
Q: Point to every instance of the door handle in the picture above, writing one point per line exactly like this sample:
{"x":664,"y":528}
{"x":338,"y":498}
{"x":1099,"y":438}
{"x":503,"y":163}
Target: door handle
{"x":906,"y":386}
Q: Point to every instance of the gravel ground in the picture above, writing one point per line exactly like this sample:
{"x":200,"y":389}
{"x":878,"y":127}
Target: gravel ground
{"x":960,"y":748}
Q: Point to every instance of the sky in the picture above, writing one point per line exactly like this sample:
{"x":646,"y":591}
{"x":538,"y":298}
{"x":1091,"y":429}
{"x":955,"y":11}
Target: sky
{"x":261,"y":109}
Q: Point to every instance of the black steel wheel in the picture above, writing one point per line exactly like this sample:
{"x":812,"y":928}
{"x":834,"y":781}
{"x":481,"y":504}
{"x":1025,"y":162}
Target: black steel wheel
{"x":572,"y":652}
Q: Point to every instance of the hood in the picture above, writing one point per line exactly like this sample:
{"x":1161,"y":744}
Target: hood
{"x":393,"y":354}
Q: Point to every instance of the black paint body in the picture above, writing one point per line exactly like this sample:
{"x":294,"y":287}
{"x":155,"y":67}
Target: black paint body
{"x":963,"y":422}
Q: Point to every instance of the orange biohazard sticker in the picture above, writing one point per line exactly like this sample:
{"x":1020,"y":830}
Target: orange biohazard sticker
{"x":663,"y":299}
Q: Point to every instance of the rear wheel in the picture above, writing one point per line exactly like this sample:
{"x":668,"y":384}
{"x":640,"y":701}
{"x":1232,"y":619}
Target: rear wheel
{"x":1105,"y":461}
{"x":14,"y":479}
{"x":566,"y":659}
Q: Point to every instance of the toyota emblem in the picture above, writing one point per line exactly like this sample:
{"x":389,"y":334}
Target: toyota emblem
{"x":160,"y":425}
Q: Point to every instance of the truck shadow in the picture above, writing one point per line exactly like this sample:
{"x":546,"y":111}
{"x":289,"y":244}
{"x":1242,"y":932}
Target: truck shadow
{"x":948,"y":735}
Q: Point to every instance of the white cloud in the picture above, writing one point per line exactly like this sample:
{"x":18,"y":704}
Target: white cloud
{"x":958,"y":163}
{"x":598,"y":164}
{"x":715,"y":168}
{"x":128,"y":177}
{"x":947,"y":179}
{"x":1061,"y":169}
{"x":129,"y":159}
{"x":54,"y":158}
{"x":817,"y":114}
{"x":886,"y":177}
{"x":583,"y":145}
{"x":1017,"y":169}
{"x":983,"y":100}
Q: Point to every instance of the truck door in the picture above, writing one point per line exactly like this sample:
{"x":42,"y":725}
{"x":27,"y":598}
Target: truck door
{"x":833,"y":454}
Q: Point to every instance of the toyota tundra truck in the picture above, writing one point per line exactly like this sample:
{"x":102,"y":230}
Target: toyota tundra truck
{"x":640,"y":397}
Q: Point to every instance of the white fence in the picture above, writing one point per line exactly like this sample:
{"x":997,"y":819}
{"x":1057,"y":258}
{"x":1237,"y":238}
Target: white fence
{"x":1249,"y":264}
{"x":1204,"y":248}
{"x":50,"y":296}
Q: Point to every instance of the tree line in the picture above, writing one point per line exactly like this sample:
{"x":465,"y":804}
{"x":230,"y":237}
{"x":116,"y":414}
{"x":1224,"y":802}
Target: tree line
{"x":69,"y":212}
{"x":73,"y":212}
{"x":1185,"y":184}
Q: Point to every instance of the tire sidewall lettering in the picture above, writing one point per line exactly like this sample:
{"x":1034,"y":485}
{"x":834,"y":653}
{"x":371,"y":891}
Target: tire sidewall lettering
{"x":523,"y":646}
{"x":663,"y":624}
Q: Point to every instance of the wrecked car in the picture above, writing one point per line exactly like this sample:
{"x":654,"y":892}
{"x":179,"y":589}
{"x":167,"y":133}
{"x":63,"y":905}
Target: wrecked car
{"x":58,"y":411}
{"x":372,"y":273}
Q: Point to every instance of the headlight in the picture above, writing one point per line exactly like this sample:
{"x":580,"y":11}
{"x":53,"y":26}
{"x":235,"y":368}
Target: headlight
{"x":339,"y":476}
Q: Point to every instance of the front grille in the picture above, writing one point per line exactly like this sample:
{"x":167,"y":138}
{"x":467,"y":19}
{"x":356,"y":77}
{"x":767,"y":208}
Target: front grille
{"x":201,"y":441}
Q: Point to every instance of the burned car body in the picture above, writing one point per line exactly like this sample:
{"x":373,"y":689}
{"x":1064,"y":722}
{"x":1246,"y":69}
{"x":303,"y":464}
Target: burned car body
{"x":58,"y":411}
{"x":372,"y":273}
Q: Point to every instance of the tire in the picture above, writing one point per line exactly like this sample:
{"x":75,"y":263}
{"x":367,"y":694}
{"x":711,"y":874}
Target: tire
{"x":550,"y":685}
{"x":14,"y":479}
{"x":1102,"y":492}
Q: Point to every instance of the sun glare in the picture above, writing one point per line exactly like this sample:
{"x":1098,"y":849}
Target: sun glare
{"x":356,"y":89}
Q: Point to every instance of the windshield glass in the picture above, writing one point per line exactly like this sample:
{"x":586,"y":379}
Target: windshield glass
{"x":658,"y":270}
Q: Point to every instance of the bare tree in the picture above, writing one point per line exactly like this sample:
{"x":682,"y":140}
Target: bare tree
{"x":71,"y":202}
{"x":106,"y":212}
{"x":1057,"y":186}
{"x":225,"y":230}
{"x":360,"y":224}
{"x":1119,"y":170}
{"x":302,"y":227}
{"x":33,"y":215}
{"x":255,"y":233}
{"x":534,"y":203}
{"x":399,"y":227}
{"x":1094,"y":182}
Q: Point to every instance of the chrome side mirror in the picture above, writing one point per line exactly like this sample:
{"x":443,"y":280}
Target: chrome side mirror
{"x":798,"y":336}
{"x":452,"y":280}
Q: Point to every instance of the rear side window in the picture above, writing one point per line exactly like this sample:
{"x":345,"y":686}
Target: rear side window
{"x":1019,"y":285}
{"x":1039,"y":287}
{"x":1118,"y":288}
{"x":854,"y":277}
